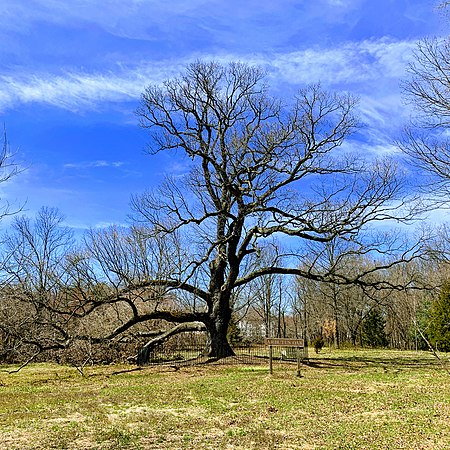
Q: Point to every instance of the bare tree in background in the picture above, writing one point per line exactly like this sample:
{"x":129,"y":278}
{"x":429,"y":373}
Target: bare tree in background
{"x":35,"y":307}
{"x":426,"y":141}
{"x":8,"y":170}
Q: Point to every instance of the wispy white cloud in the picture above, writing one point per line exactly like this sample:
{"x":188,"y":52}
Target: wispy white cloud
{"x":73,"y":91}
{"x":377,"y":148}
{"x":344,"y":66}
{"x":93,"y":164}
{"x":136,"y":18}
{"x":82,"y":90}
{"x":353,"y":62}
{"x":347,"y":4}
{"x":102,"y":225}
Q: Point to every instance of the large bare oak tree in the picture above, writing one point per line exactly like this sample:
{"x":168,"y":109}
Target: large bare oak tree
{"x":261,"y":172}
{"x":259,"y":169}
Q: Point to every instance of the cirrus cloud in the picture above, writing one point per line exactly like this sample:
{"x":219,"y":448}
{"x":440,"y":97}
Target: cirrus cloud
{"x":346,"y":66}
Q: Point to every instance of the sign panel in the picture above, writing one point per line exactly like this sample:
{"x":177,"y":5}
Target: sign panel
{"x":283,"y":342}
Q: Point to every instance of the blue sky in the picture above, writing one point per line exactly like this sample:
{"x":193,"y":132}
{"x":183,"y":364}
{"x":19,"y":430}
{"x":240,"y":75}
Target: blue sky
{"x":71,"y":74}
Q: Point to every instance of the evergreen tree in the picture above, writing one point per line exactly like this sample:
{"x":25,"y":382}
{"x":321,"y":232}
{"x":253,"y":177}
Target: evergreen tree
{"x":373,"y":329}
{"x":439,"y":321}
{"x":234,"y":334}
{"x":419,"y":328}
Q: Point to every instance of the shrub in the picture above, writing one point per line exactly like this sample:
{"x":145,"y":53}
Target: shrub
{"x":318,"y":343}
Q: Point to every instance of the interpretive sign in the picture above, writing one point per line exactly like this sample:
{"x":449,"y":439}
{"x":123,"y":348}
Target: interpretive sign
{"x":284,"y":342}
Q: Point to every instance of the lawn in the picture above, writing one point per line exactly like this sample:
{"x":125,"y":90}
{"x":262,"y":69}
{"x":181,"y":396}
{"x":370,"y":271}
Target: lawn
{"x":344,"y":400}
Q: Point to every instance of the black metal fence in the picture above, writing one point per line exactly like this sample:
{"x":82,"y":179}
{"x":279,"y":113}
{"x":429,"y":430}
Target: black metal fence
{"x":189,"y":349}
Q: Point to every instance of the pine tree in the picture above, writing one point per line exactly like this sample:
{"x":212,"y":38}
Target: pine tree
{"x":373,"y":329}
{"x":439,"y":320}
{"x":234,"y":334}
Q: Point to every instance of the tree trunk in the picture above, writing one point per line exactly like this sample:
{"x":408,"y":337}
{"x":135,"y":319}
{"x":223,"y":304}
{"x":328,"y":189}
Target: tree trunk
{"x":218,"y":345}
{"x":354,"y":336}
{"x":337,"y":342}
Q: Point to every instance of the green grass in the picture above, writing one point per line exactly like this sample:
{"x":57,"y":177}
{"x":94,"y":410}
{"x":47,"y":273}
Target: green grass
{"x":345,"y":400}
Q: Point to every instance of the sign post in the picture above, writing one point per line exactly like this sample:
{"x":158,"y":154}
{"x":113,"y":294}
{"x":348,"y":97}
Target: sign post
{"x":270,"y":359}
{"x":283,"y":342}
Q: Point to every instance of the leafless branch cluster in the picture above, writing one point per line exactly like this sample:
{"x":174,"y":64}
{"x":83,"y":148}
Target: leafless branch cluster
{"x":426,"y":140}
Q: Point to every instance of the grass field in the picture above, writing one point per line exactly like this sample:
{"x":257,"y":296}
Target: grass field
{"x":344,"y":400}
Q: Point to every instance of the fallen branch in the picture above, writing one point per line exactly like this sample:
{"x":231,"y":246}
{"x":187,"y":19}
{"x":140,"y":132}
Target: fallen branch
{"x":144,"y":353}
{"x":26,"y":362}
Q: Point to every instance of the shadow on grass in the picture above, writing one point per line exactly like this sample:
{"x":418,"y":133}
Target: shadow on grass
{"x":385,"y":360}
{"x":337,"y":360}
